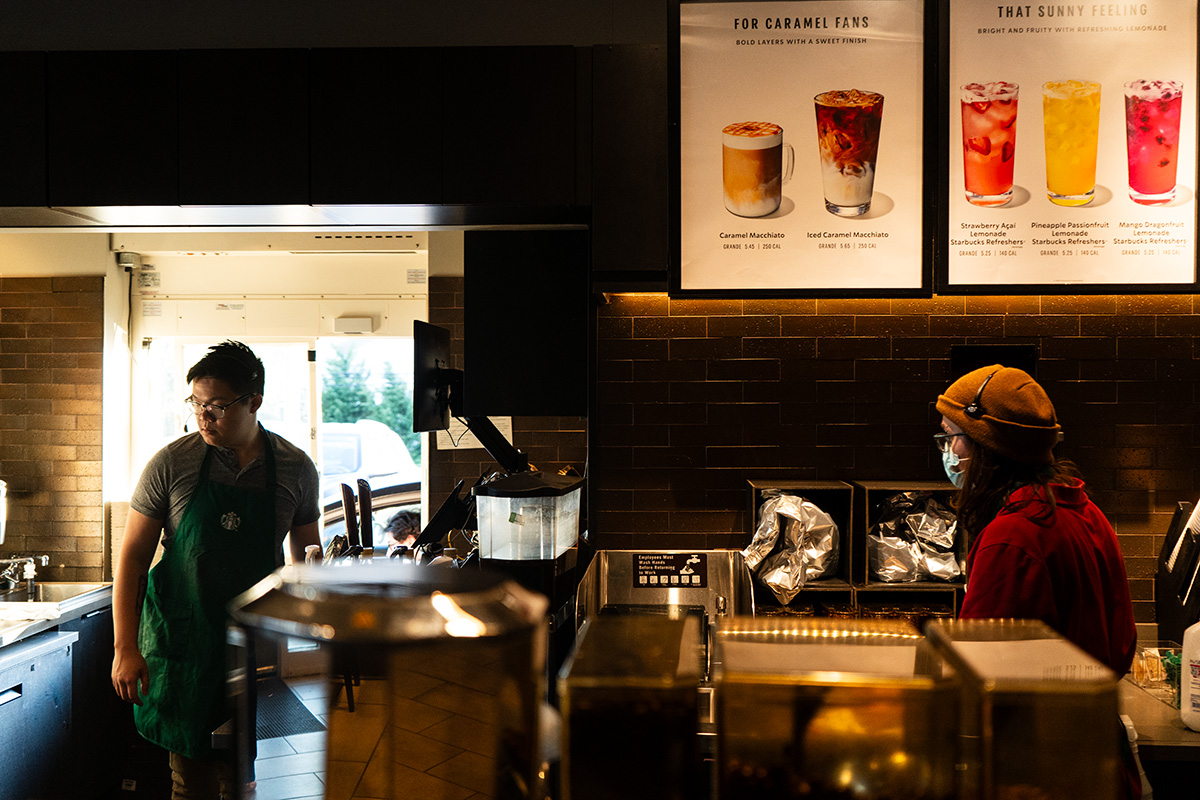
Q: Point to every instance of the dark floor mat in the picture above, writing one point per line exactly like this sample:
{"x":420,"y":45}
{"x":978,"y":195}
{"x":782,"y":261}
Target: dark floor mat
{"x":280,"y":712}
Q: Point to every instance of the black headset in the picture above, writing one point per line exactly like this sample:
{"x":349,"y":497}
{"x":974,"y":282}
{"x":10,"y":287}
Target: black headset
{"x":975,"y":410}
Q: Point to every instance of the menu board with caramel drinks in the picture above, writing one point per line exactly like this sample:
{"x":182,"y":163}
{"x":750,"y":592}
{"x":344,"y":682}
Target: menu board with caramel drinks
{"x":1071,"y":146}
{"x":801,"y":135}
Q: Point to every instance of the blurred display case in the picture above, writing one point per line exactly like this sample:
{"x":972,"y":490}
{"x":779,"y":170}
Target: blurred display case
{"x":629,"y":699}
{"x":832,"y":708}
{"x":1039,"y":715}
{"x":474,"y":636}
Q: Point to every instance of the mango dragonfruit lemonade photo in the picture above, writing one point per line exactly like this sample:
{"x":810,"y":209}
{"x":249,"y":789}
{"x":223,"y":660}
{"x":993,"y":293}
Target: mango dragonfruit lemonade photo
{"x":1152,"y":110}
{"x":989,"y":132}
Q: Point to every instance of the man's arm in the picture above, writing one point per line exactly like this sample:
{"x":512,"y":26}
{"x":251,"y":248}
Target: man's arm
{"x":302,"y":536}
{"x":137,"y":551}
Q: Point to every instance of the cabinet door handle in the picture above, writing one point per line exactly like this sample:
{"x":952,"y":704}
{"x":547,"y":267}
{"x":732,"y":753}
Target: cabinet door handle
{"x":9,"y":695}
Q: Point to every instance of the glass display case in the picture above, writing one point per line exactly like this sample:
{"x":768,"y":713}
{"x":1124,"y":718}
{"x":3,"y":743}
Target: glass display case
{"x":629,"y":697}
{"x":1039,"y":714}
{"x":831,"y":708}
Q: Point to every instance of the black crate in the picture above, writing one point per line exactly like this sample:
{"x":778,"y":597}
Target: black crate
{"x":869,"y":495}
{"x":835,"y":498}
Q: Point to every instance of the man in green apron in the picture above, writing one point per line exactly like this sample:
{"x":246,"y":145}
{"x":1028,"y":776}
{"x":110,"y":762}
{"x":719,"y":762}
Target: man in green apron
{"x":222,"y":500}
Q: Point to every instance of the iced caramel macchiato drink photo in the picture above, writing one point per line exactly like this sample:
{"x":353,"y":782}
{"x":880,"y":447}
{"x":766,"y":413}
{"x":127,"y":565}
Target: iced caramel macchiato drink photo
{"x":848,"y":123}
{"x":755,"y":163}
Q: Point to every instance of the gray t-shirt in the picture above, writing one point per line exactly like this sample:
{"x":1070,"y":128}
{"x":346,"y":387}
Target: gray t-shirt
{"x":167,"y":482}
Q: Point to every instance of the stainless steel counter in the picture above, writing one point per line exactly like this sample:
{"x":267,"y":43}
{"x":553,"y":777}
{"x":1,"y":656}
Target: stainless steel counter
{"x":70,"y":608}
{"x":1162,"y":736}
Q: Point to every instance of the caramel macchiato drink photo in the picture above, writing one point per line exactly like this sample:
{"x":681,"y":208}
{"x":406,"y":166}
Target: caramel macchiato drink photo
{"x":755,"y":165}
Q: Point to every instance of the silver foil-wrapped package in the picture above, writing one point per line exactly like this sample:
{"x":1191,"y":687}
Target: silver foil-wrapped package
{"x":914,"y":539}
{"x":795,"y":542}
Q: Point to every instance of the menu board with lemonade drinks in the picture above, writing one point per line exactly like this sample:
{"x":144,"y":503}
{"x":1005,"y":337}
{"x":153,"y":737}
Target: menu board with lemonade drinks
{"x":1072,"y":143}
{"x":801,"y":130}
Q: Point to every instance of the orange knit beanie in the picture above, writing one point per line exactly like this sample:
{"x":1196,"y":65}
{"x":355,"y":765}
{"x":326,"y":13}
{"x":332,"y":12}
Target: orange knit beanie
{"x":1006,"y":410}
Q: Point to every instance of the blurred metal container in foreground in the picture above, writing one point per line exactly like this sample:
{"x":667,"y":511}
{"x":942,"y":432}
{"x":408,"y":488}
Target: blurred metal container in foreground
{"x":1039,"y":714}
{"x":629,"y":697}
{"x":830,"y":708}
{"x":465,"y":644}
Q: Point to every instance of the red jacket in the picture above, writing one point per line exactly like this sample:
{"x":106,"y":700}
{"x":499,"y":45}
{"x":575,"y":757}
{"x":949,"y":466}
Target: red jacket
{"x":1067,"y":572}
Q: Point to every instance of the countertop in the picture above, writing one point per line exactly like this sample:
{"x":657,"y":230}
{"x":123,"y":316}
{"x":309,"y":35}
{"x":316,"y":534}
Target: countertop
{"x":1162,"y":736}
{"x":15,"y":630}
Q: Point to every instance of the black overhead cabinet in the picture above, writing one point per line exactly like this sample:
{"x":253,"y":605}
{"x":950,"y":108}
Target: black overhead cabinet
{"x":23,"y":136}
{"x":378,"y":125}
{"x":473,"y":135}
{"x":509,"y":125}
{"x":112,"y":128}
{"x":243,"y":127}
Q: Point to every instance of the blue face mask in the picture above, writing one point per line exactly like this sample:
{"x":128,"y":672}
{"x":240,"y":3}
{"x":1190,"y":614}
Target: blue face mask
{"x":950,"y":462}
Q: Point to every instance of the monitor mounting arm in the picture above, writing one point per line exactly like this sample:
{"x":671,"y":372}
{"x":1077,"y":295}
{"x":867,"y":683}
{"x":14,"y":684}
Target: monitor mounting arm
{"x":510,"y":459}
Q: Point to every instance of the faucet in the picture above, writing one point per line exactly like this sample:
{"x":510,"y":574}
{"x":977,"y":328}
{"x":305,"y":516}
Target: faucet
{"x":23,"y":564}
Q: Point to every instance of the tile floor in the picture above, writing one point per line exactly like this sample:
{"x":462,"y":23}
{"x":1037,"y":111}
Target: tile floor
{"x":438,"y":746}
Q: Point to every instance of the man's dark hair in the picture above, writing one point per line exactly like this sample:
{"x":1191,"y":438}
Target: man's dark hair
{"x":234,"y":363}
{"x":403,"y":522}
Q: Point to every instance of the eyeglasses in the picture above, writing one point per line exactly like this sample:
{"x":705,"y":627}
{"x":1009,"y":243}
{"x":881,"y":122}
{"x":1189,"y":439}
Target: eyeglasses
{"x":944,"y":441}
{"x":213,"y":409}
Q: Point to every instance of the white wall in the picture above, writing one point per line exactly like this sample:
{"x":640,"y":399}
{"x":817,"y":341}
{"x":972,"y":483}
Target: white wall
{"x":59,"y":253}
{"x":116,"y":422}
{"x":445,"y":254}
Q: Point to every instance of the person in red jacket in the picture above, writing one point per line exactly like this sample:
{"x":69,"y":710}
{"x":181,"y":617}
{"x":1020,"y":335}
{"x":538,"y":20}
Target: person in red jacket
{"x":1039,"y":547}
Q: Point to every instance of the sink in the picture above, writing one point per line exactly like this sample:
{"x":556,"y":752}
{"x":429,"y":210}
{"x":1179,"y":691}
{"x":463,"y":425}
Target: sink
{"x":51,"y":592}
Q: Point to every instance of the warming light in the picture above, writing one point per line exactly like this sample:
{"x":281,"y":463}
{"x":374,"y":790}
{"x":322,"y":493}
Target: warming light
{"x":458,"y":622}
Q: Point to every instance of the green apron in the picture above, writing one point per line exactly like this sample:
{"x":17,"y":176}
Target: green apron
{"x":225,"y":543}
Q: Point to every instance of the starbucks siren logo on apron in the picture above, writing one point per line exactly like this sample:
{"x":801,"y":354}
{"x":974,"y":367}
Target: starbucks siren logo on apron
{"x":230,"y":521}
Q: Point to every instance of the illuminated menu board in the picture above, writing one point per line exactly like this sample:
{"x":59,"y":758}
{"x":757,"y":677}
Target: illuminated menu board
{"x":801,"y":135}
{"x":1072,"y":145}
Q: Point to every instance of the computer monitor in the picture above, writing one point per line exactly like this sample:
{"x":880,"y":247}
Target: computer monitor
{"x":1176,"y":593}
{"x":438,"y":393}
{"x":432,"y":376}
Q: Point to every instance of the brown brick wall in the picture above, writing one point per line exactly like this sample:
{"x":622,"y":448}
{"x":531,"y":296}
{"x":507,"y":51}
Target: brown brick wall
{"x":51,"y":348}
{"x":695,"y":396}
